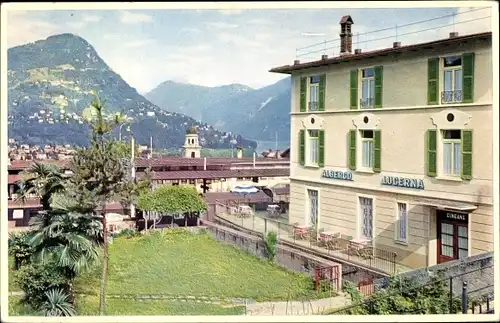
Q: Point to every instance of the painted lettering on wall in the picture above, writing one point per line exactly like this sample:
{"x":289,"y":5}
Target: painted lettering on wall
{"x":456,"y":216}
{"x":403,"y":182}
{"x":346,"y":176}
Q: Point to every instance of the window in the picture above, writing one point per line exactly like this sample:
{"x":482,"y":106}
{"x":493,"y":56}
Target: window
{"x":313,"y":147}
{"x":452,"y":80}
{"x":402,"y":223}
{"x":367,"y":88}
{"x":18,"y":214}
{"x":367,"y":148}
{"x":313,"y":207}
{"x":463,"y":242}
{"x":314,"y":93}
{"x":366,"y":214}
{"x":452,"y":152}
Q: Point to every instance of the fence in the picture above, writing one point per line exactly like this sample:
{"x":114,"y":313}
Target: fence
{"x":286,"y":257}
{"x":475,"y":300}
{"x":338,"y":247}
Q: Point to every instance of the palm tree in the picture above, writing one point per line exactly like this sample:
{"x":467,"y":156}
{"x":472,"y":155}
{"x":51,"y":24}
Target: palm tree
{"x":19,"y":248}
{"x":70,"y":240}
{"x":57,"y":304}
{"x":42,"y":180}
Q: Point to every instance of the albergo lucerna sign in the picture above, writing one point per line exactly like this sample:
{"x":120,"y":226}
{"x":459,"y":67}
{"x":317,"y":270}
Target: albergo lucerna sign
{"x":346,"y":176}
{"x":403,"y":182}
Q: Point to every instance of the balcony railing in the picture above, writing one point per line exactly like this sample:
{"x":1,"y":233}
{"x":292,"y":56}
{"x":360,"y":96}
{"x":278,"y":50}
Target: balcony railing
{"x":313,"y":106}
{"x":366,"y":103}
{"x":451,"y":96}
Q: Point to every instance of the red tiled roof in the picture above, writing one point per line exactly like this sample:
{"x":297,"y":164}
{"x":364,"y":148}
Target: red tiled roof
{"x":282,"y":190}
{"x":288,"y":69}
{"x":112,"y":206}
{"x":14,"y":178}
{"x":214,"y":174}
{"x":163,"y":161}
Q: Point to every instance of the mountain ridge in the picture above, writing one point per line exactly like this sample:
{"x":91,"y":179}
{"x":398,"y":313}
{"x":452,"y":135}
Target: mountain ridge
{"x":52,"y":80}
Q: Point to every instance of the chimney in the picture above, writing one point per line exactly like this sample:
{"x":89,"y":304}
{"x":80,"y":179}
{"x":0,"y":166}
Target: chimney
{"x":239,"y":152}
{"x":345,"y":35}
{"x":296,"y":62}
{"x":278,"y":155}
{"x":396,"y":44}
{"x":453,"y":34}
{"x":324,"y":57}
{"x":357,"y":51}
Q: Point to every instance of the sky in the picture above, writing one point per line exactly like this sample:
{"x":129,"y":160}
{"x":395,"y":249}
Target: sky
{"x":213,"y":47}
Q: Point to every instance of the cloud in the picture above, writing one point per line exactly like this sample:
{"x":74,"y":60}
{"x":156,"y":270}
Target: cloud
{"x":128,"y":17}
{"x":221,"y":25}
{"x":228,"y":12}
{"x":91,"y":18}
{"x":23,"y":28}
{"x":140,"y":42}
{"x":239,"y":40}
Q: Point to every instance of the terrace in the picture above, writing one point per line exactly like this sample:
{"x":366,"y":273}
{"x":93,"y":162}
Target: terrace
{"x":340,"y":248}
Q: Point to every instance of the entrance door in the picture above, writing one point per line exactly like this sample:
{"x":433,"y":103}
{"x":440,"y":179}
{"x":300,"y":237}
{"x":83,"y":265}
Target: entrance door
{"x":453,"y":241}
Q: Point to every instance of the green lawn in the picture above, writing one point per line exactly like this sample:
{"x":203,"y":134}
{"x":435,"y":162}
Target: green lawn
{"x":181,"y":263}
{"x":178,"y":263}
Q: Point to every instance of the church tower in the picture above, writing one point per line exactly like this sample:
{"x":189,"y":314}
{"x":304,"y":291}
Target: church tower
{"x":192,"y":148}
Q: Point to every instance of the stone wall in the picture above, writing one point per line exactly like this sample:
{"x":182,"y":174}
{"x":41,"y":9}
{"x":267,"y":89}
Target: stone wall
{"x":477,"y":271}
{"x":286,"y":257}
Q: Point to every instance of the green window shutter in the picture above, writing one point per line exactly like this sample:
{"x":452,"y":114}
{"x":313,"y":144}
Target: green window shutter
{"x":354,"y":89}
{"x":467,"y":154}
{"x":303,"y":94}
{"x":468,"y":77}
{"x":322,"y":87}
{"x":379,"y":80}
{"x":321,"y":152}
{"x":431,"y":152}
{"x":432,"y":81}
{"x":377,"y":142}
{"x":302,"y":147}
{"x":352,"y":149}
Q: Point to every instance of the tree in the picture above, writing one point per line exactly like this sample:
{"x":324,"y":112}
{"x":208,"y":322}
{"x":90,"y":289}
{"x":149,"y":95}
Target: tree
{"x":42,"y":180}
{"x":172,"y":200}
{"x":99,"y":173}
{"x":69,"y":241}
{"x":20,"y":248}
{"x":131,"y":190}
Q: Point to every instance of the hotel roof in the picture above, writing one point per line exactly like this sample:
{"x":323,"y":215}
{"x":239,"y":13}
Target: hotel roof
{"x":288,"y":69}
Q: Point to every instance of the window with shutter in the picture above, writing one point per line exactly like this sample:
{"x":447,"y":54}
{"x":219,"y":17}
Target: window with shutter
{"x":377,"y":151}
{"x":303,"y":94}
{"x":432,"y":80}
{"x":321,"y":157}
{"x":431,"y":152}
{"x":352,"y":149}
{"x":379,"y":80}
{"x":467,"y":154}
{"x":354,"y":90}
{"x":302,"y":147}
{"x":322,"y":92}
{"x":468,"y":77}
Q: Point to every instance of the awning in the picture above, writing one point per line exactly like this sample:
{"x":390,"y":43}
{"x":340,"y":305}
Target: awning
{"x":447,"y":205}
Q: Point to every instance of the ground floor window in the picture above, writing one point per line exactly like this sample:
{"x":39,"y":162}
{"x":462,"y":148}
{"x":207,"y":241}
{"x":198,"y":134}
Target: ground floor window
{"x":402,"y":223}
{"x":313,"y":207}
{"x":452,"y":234}
{"x":366,"y":217}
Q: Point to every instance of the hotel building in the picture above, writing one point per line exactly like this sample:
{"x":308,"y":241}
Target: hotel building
{"x":395,"y":146}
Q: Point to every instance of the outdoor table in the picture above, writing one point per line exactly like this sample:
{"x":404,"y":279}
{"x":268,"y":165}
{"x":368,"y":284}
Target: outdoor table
{"x":273,"y":209}
{"x":360,"y":247}
{"x":327,"y":237}
{"x":301,"y":231}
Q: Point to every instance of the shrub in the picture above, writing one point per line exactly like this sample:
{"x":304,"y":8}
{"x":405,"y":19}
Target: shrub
{"x":271,"y":244}
{"x":35,"y":279}
{"x":127,"y":233}
{"x":20,"y":248}
{"x":56,"y":303}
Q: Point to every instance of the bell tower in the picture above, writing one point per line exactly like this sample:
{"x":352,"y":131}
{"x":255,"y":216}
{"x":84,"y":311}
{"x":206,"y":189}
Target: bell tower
{"x":192,"y":148}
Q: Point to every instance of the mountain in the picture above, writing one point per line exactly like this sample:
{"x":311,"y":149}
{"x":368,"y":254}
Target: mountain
{"x":52,"y":81}
{"x":256,"y":114}
{"x":192,"y":100}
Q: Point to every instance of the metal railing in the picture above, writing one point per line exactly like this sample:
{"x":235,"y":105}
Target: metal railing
{"x":313,"y":106}
{"x":467,"y":301}
{"x":366,"y":103}
{"x":342,"y":247}
{"x":451,"y":96}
